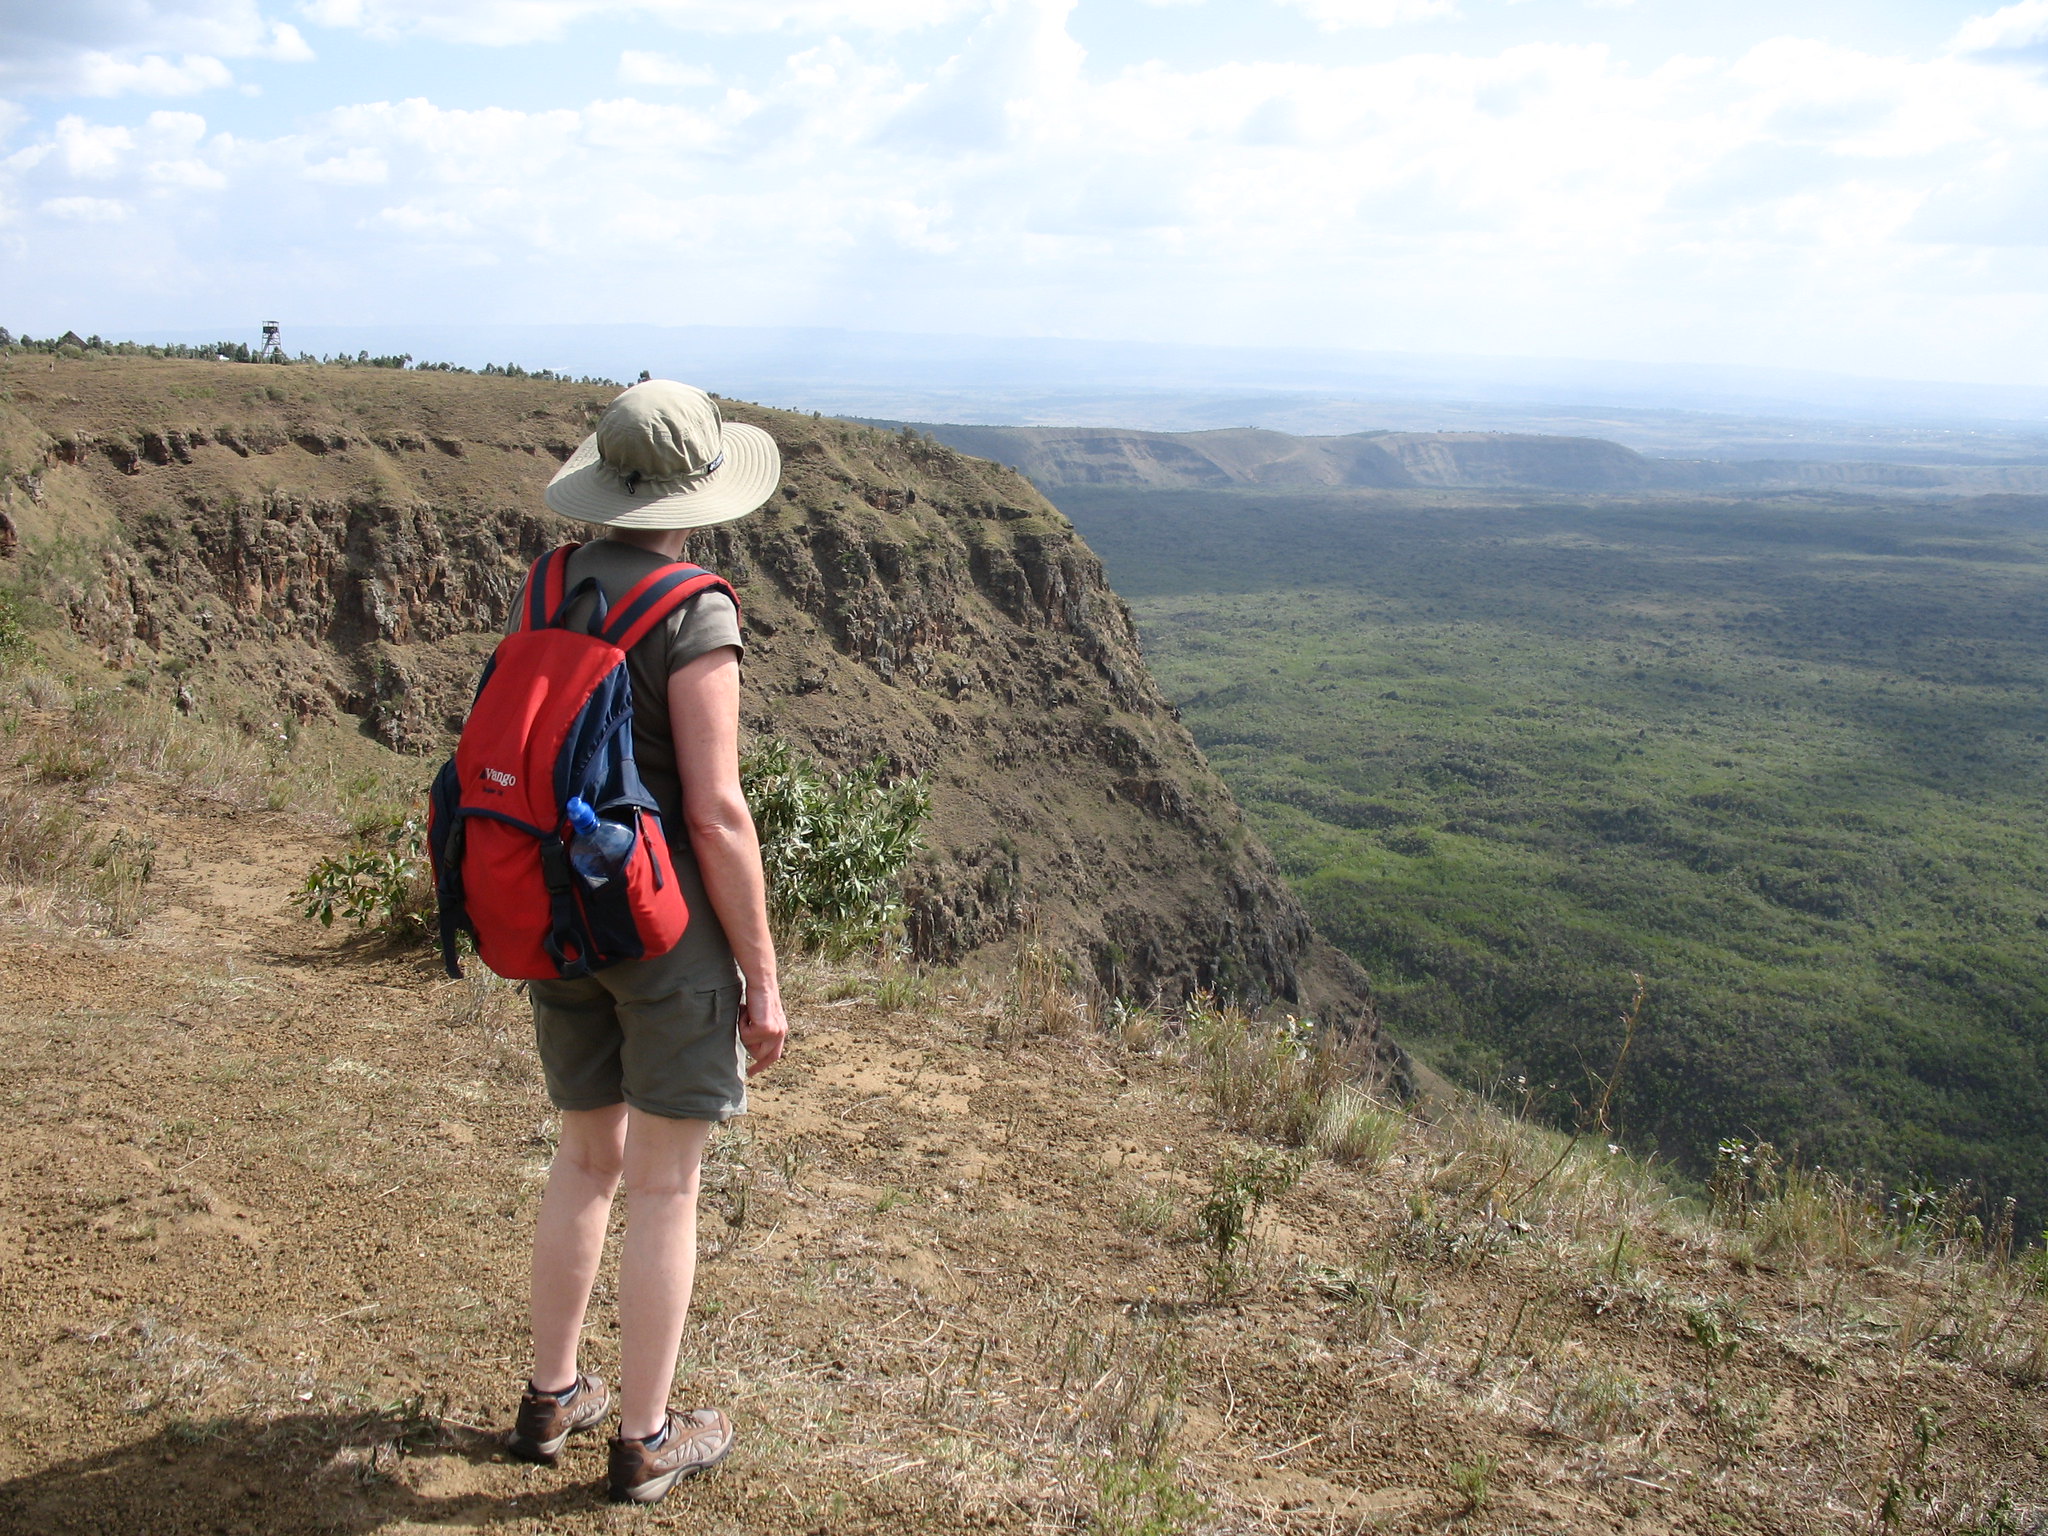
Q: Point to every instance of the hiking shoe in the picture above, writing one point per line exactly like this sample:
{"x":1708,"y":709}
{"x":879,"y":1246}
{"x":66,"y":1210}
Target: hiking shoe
{"x":546,"y":1420}
{"x":697,"y":1441}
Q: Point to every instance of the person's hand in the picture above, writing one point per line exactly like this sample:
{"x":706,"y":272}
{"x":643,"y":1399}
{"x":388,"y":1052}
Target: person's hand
{"x":763,"y":1028}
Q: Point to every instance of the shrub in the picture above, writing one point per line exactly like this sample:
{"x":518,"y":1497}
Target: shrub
{"x":902,"y":989}
{"x":1355,"y":1130}
{"x":1239,"y":1188}
{"x":1474,"y":1479}
{"x":834,"y":847}
{"x":385,"y":890}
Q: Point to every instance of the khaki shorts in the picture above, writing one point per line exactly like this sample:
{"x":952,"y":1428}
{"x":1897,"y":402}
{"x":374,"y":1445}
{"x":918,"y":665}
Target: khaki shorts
{"x":644,"y":1031}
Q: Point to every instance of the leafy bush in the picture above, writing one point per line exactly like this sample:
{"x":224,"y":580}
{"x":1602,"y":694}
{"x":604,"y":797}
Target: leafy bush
{"x":388,"y":890}
{"x":1239,"y":1188}
{"x":834,"y":847}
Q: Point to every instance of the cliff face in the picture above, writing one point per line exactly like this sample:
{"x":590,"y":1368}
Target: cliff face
{"x":348,"y":542}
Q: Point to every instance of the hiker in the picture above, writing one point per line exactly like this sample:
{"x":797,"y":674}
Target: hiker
{"x":641,"y":1055}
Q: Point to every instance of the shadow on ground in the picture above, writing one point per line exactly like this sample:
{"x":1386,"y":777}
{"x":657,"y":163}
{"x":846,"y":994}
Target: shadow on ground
{"x":303,"y":1473}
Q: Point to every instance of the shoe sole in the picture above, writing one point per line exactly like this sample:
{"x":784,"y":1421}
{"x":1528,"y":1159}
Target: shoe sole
{"x":656,"y":1488}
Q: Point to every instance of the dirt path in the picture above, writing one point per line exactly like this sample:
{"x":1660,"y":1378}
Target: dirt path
{"x":262,"y":1252}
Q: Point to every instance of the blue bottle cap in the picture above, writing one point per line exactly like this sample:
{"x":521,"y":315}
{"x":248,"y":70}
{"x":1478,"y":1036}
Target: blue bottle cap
{"x":581,"y":816}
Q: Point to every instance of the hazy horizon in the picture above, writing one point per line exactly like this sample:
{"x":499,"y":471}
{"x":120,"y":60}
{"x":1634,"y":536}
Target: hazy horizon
{"x":1038,"y":381}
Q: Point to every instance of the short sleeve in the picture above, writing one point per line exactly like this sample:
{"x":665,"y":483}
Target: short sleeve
{"x":703,"y":624}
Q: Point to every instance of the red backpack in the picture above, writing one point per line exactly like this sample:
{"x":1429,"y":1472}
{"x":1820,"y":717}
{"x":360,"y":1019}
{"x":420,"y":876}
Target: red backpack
{"x":553,"y":720}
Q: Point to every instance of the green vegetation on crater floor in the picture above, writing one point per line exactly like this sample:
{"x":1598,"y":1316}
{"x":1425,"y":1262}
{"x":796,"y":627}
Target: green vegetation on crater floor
{"x":1789,"y":759}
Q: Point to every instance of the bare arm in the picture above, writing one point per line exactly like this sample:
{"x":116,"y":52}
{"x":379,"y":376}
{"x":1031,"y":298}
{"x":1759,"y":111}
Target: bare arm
{"x":704,"y":715}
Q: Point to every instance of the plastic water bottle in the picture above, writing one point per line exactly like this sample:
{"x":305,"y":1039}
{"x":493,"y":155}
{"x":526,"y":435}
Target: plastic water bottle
{"x":600,"y":848}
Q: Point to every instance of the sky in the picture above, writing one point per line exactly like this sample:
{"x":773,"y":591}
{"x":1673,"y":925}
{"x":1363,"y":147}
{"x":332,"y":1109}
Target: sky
{"x":1852,"y":185}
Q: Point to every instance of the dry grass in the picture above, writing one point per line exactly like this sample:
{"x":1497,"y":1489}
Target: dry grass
{"x":58,"y":869}
{"x":1580,"y":1218}
{"x":83,"y":761}
{"x":1042,"y":998}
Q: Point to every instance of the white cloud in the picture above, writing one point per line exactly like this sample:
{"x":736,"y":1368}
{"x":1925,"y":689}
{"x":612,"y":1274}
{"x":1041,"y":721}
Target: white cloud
{"x":1016,"y":78}
{"x":425,"y":219}
{"x":171,"y":131}
{"x":136,"y":47}
{"x":91,"y":150}
{"x":1335,"y":14}
{"x":186,"y":176}
{"x":641,"y":68}
{"x":102,"y":74}
{"x":501,"y":22}
{"x":359,"y":167}
{"x":287,"y":45}
{"x":2016,"y":31}
{"x":86,"y":210}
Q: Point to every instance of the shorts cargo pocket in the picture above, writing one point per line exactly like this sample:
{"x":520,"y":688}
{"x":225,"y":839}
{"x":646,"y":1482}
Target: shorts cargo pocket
{"x":682,"y":1057}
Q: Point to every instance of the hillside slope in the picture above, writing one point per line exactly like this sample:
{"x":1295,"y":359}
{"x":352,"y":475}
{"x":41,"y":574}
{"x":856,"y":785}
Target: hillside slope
{"x":281,"y":545}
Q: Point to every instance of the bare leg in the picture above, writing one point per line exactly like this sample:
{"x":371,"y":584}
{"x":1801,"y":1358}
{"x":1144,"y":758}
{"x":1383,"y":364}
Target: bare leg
{"x":569,"y":1240}
{"x":659,"y":1263}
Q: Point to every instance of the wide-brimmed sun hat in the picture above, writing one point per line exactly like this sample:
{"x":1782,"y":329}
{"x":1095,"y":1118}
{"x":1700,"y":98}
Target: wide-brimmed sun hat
{"x":661,"y":457}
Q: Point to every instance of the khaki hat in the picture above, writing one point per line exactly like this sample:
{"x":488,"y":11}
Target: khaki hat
{"x":662,"y":458}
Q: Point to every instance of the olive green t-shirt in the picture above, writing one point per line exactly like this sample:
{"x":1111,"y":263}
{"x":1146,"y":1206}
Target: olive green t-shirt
{"x":703,"y":624}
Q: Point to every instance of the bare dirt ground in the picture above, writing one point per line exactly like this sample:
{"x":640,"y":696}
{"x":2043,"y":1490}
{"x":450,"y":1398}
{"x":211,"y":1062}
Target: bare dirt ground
{"x":269,"y":1191}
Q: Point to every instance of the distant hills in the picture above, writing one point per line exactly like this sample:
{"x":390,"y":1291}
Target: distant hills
{"x":1055,"y":457}
{"x":1666,"y":410}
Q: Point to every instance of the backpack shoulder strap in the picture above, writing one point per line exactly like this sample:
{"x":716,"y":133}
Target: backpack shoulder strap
{"x":655,"y":597}
{"x":544,"y":587}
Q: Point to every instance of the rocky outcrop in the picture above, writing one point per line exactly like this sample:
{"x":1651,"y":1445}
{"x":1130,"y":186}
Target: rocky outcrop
{"x":352,"y":547}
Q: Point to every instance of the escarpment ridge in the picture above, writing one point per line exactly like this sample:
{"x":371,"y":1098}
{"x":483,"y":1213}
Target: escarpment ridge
{"x":270,"y":543}
{"x":1248,"y":458}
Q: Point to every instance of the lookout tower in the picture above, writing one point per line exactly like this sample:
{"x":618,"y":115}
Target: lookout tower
{"x":273,"y":341}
